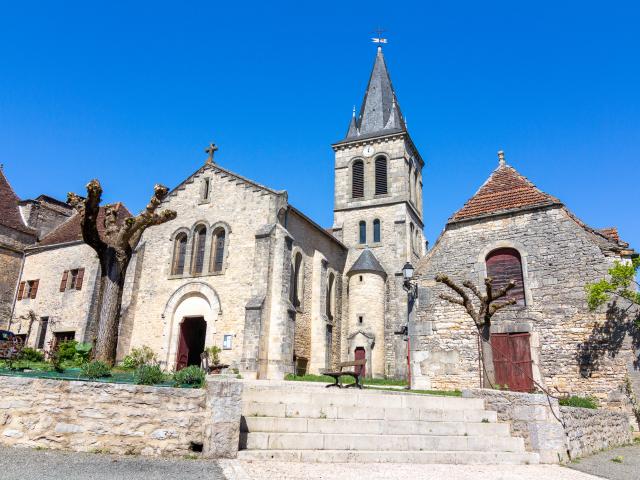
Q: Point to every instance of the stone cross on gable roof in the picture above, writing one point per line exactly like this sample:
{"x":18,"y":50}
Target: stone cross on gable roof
{"x":211,"y":150}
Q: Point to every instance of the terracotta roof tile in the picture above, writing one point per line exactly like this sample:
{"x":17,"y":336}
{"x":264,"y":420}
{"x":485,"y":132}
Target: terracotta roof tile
{"x":70,"y":230}
{"x":610,"y":232}
{"x":503,"y":191}
{"x":9,"y":211}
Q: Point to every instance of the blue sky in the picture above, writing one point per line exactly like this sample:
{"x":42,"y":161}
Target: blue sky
{"x":132,"y":92}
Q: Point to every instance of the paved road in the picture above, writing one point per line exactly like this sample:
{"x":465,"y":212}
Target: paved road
{"x":601,"y":464}
{"x":26,"y":464}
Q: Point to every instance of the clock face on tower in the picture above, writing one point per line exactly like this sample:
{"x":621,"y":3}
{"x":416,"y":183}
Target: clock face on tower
{"x":368,"y":150}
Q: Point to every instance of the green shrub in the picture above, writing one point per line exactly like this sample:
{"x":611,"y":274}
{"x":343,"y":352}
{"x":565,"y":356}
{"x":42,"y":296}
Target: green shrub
{"x":83,"y":351}
{"x":214,"y":354}
{"x":95,"y":369}
{"x":192,"y":375}
{"x":31,"y":355}
{"x":148,"y":374}
{"x":582,"y":402}
{"x":138,"y":357}
{"x":67,"y":350}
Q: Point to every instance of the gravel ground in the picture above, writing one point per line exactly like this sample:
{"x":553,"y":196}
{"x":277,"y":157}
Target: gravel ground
{"x":237,"y":470}
{"x":27,"y":464}
{"x":601,"y":464}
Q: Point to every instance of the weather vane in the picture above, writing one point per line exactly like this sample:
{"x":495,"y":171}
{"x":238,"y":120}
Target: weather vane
{"x":379,"y":39}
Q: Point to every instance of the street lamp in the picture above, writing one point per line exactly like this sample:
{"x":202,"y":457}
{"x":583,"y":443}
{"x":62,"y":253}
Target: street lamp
{"x":411,"y":288}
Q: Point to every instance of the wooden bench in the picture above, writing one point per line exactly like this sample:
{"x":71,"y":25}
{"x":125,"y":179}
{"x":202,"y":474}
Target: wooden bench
{"x":350,"y":373}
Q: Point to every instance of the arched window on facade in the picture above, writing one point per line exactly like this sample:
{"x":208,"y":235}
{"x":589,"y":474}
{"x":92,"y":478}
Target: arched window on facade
{"x":357,"y":179}
{"x":362,"y":232}
{"x":179,"y":254}
{"x":376,"y":231}
{"x":199,"y":241}
{"x":381,"y":176}
{"x":331,"y":299}
{"x":416,"y":186}
{"x":297,"y":280}
{"x":412,"y":229}
{"x":217,"y":250}
{"x":504,"y":265}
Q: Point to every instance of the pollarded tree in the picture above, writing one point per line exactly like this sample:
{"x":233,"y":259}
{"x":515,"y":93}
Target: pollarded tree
{"x":115,"y":248}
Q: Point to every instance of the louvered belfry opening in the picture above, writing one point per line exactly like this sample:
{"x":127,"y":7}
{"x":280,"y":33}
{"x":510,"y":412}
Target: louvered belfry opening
{"x":199,"y":241}
{"x":381,"y":176}
{"x":504,"y":265}
{"x":357,"y":185}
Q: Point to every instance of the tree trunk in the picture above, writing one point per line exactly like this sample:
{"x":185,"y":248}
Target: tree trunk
{"x":111,"y":287}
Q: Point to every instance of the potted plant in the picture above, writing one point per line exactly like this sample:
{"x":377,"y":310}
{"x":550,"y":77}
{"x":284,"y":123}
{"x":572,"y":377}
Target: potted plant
{"x":211,"y":360}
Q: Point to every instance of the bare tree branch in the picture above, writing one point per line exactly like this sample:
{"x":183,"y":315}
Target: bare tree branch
{"x":451,"y":299}
{"x":89,"y":209}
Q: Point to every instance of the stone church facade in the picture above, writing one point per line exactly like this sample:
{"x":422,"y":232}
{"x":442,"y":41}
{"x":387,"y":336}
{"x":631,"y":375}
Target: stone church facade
{"x":243,"y":269}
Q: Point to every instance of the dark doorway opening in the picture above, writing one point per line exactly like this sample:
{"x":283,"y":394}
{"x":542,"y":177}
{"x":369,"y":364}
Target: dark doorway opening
{"x":191,"y":344}
{"x":360,"y":354}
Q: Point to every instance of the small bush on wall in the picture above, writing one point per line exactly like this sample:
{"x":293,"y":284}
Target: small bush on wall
{"x":149,"y":375}
{"x":192,"y":375}
{"x":95,"y":369}
{"x":582,"y":402}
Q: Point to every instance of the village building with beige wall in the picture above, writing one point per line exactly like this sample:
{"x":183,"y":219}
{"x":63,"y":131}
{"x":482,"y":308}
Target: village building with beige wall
{"x":242,"y":269}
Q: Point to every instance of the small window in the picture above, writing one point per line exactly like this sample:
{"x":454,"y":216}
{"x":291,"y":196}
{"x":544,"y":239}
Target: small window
{"x":330,"y":300}
{"x":361,"y":278}
{"x":376,"y":231}
{"x":362,"y":226}
{"x":504,"y":265}
{"x":412,"y":242}
{"x":199,"y":240}
{"x":179,"y":254}
{"x":381,"y":176}
{"x":42,"y":334}
{"x":206,"y":188}
{"x":28,"y":289}
{"x":357,"y":180}
{"x":227,"y":342}
{"x":64,"y":336}
{"x":297,"y":280}
{"x":360,"y":319}
{"x":72,"y":279}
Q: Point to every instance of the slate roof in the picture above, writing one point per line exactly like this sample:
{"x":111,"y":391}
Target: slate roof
{"x":504,"y":191}
{"x":9,"y":211}
{"x":70,"y":230}
{"x":366,"y":262}
{"x":380,"y":111}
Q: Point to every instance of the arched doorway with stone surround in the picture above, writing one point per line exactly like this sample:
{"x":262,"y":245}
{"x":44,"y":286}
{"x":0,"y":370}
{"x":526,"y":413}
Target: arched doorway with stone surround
{"x":192,"y":300}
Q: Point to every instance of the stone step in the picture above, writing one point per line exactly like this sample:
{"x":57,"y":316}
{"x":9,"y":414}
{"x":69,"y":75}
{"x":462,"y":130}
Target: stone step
{"x":372,"y":427}
{"x":300,"y":410}
{"x":360,"y":398}
{"x":320,"y":441}
{"x":376,"y":456}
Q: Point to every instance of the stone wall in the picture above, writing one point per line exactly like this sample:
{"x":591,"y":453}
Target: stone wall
{"x":531,"y":418}
{"x":589,"y":431}
{"x":121,"y":419}
{"x":573,"y":349}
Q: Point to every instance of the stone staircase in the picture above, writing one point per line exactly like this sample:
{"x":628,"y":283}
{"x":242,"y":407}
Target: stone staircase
{"x":291,"y":421}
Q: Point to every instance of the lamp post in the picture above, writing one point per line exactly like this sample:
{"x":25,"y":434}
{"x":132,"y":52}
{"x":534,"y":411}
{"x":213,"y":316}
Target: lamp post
{"x":411,"y":288}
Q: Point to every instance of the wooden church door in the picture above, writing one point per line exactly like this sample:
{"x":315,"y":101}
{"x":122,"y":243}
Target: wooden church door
{"x":512,"y":361}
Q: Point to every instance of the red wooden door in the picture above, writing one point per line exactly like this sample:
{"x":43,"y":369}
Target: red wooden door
{"x":183,"y":348}
{"x":360,"y":354}
{"x":512,"y":361}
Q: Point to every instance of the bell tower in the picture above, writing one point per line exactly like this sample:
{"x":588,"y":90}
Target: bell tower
{"x":378,"y":201}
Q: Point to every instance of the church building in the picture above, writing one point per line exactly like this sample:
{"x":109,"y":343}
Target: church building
{"x":243,"y":269}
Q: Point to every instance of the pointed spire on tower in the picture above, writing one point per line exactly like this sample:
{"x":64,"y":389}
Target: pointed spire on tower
{"x":353,"y":125}
{"x":380,"y":112}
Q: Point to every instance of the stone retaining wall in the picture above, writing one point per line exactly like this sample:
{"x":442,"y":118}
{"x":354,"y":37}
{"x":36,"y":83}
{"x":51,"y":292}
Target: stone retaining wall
{"x":557,"y":433}
{"x":589,"y":431}
{"x":122,"y":419}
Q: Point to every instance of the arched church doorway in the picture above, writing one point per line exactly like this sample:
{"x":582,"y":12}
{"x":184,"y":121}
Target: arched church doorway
{"x":360,"y":354}
{"x":191,"y":343}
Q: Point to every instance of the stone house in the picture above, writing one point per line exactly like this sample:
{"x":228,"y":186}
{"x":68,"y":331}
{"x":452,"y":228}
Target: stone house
{"x":22,"y":223}
{"x":512,"y":230}
{"x":58,"y":284}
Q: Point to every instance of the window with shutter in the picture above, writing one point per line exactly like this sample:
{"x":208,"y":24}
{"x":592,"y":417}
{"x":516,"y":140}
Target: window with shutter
{"x":63,"y":282}
{"x":381,"y":176}
{"x":199,"y":241}
{"x":21,"y":290}
{"x":504,"y":265}
{"x":34,"y":288}
{"x":73,"y":274}
{"x":179,"y":254}
{"x":376,"y":231}
{"x":362,"y":226}
{"x":357,"y":181}
{"x":79,"y":279}
{"x":217,"y":255}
